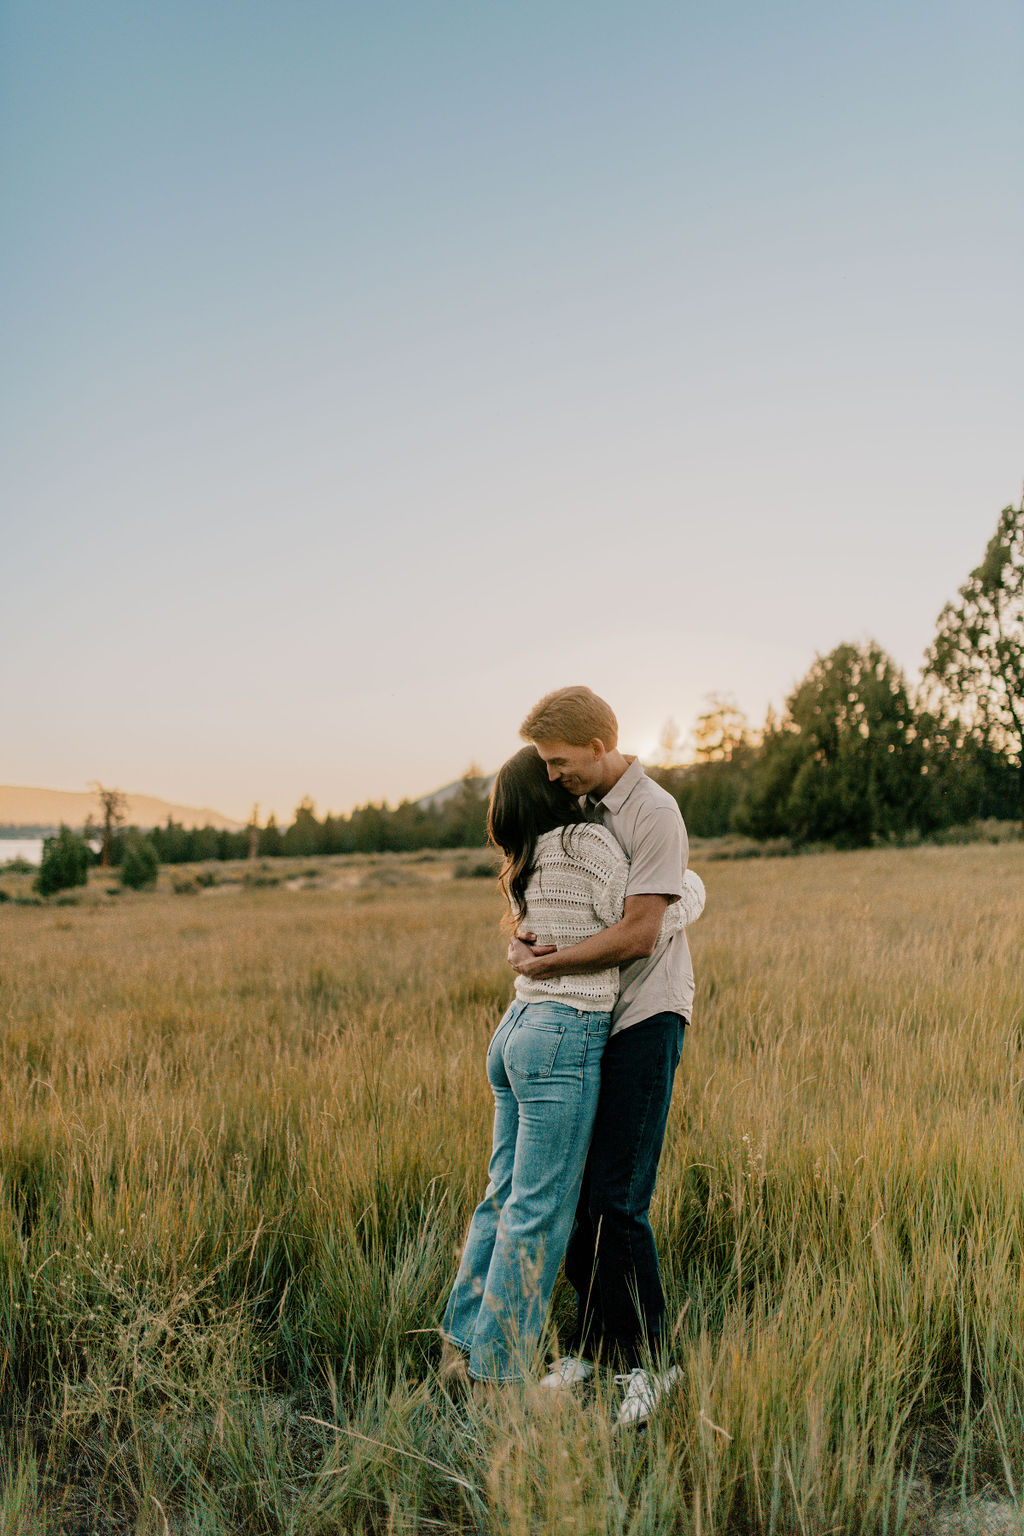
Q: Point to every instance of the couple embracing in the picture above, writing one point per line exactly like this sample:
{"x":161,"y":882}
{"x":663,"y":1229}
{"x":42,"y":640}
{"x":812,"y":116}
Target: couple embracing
{"x":583,"y":1062}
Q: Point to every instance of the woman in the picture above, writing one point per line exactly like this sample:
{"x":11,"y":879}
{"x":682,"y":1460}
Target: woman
{"x":565,"y":879}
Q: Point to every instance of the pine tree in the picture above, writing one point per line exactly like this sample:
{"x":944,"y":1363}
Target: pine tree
{"x":845,"y":764}
{"x":977,"y":656}
{"x":140,"y":862}
{"x":65,"y":863}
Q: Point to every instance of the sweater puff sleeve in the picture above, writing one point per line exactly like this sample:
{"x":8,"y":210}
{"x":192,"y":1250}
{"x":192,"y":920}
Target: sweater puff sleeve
{"x":690,"y":904}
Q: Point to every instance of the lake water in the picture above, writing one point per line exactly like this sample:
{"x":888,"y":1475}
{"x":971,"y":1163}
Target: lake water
{"x":30,"y":848}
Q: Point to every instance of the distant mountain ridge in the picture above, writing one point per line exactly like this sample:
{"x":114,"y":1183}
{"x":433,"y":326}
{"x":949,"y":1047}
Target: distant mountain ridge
{"x":440,"y":797}
{"x":23,"y":806}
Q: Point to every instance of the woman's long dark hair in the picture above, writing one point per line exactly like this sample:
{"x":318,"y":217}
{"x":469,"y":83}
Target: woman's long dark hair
{"x":524,"y":804}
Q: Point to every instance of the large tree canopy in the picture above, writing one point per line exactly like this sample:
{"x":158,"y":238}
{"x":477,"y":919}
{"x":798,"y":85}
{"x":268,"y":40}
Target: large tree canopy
{"x":844,"y":764}
{"x":977,"y":656}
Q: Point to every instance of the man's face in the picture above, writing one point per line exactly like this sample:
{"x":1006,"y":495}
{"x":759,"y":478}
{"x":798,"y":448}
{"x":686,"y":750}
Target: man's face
{"x":578,"y":769}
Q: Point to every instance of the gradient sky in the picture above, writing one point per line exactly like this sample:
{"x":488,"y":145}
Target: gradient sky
{"x":371,"y":369}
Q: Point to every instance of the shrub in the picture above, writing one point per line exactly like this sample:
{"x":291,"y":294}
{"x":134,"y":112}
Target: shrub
{"x":984,"y":830}
{"x":140,"y":862}
{"x":383,"y":876}
{"x":260,"y":877}
{"x":19,"y":866}
{"x":485,"y":868}
{"x":65,"y":863}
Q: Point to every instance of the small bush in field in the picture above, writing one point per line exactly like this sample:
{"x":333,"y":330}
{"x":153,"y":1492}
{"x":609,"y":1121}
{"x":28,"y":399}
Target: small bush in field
{"x":384,"y":876}
{"x":261,"y":877}
{"x":984,"y":831}
{"x":19,"y":866}
{"x":482,"y":868}
{"x":65,"y":863}
{"x":141,"y":862}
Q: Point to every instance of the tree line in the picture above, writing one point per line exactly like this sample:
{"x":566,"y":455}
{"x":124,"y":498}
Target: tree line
{"x":854,"y":759}
{"x":460,"y":822}
{"x":858,"y":755}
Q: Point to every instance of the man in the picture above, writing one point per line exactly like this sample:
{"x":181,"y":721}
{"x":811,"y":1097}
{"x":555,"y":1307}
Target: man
{"x":612,"y":1260}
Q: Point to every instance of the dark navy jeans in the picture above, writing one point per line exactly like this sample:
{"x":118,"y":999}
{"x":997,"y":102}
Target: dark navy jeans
{"x":611,"y":1259}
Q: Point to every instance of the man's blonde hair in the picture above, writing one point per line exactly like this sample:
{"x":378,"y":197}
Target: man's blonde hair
{"x":575,"y":715}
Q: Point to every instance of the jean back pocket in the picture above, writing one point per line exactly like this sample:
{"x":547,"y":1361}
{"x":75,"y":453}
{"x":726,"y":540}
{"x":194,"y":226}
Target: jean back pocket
{"x":531,"y":1049}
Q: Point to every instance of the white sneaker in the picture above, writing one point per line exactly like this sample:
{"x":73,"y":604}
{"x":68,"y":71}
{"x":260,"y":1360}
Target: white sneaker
{"x":566,"y":1372}
{"x":643,"y":1392}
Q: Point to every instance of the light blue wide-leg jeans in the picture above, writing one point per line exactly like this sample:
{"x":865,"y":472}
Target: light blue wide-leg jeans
{"x":544,"y":1066}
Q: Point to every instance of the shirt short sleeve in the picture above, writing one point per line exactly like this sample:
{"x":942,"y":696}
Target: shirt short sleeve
{"x":658,"y":854}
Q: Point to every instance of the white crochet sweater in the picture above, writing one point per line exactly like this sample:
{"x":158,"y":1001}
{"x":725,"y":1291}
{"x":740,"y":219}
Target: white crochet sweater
{"x":576,"y":891}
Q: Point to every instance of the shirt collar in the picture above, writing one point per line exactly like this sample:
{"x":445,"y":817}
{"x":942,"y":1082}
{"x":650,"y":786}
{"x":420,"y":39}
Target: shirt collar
{"x":620,"y":791}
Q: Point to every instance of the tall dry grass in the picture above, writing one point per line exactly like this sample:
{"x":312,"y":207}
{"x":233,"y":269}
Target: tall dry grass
{"x":242,"y":1134}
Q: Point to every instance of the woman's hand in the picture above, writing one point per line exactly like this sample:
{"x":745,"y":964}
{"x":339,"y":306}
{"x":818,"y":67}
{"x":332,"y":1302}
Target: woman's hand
{"x":523,"y":947}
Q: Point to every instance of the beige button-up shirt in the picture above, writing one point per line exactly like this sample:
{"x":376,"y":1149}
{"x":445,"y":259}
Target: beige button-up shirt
{"x":647,"y":823}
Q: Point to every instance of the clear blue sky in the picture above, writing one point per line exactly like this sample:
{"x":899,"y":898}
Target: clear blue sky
{"x":372,"y":369}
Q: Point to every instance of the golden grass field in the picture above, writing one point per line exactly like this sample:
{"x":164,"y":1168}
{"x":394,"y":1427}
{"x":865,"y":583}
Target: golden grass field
{"x":242,"y":1135}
